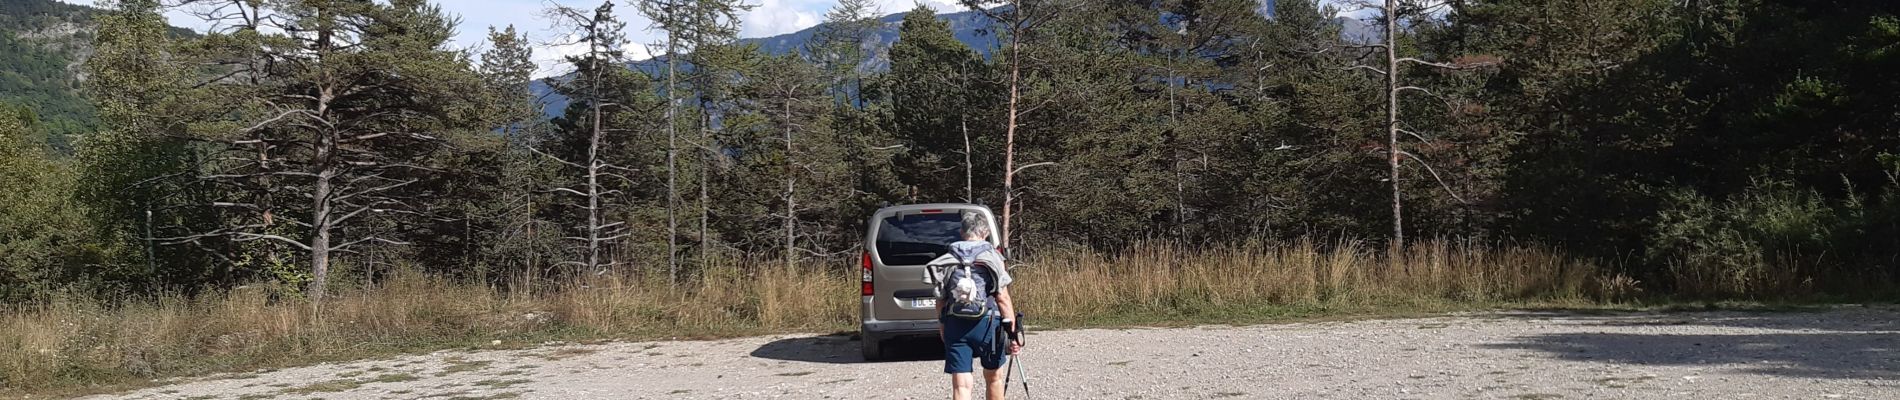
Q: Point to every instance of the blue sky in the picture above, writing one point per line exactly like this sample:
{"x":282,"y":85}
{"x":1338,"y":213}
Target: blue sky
{"x":767,"y":18}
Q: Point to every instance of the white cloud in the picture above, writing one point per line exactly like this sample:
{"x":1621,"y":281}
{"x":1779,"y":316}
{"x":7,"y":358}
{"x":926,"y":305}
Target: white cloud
{"x":552,"y":44}
{"x":776,"y":17}
{"x":767,"y":18}
{"x":887,"y":7}
{"x":1359,"y":9}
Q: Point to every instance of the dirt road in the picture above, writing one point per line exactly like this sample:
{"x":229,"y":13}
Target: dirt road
{"x":1844,"y":353}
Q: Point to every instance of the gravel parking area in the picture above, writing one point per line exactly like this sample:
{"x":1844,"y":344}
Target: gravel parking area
{"x":1849,"y":352}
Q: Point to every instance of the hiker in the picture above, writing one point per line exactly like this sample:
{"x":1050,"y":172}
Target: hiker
{"x":985,"y":337}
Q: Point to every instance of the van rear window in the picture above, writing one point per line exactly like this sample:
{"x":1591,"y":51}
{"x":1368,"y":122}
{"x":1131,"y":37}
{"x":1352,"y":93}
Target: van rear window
{"x":916,"y":239}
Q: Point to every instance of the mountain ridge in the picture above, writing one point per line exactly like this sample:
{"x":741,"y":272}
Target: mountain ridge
{"x":966,"y":26}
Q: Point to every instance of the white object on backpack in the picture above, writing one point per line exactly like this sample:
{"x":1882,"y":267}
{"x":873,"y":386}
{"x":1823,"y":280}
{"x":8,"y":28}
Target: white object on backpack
{"x":965,"y":290}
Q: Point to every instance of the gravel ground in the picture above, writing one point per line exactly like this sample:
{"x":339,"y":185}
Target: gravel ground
{"x":1842,"y":353}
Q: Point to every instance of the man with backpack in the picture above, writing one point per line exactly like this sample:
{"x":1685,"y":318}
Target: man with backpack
{"x":975,"y":310}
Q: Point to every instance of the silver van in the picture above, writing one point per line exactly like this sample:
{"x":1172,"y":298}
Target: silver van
{"x":898,"y":242}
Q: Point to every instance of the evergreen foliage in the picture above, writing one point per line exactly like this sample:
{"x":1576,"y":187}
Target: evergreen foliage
{"x":1723,"y":148}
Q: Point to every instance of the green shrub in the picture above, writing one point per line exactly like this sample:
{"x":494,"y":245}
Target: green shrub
{"x":1775,"y":240}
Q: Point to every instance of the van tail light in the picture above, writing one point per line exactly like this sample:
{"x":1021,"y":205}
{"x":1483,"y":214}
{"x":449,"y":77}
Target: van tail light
{"x":864,"y":260}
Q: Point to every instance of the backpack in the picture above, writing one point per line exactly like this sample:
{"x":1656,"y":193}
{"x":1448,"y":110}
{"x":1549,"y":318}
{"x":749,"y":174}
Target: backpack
{"x":965,"y":288}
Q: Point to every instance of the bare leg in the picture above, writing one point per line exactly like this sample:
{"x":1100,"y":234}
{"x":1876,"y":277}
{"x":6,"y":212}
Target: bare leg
{"x":962,"y":384}
{"x":994,"y":380}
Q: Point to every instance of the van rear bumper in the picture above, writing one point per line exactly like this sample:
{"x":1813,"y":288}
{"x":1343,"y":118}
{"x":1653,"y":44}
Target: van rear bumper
{"x":890,"y":329}
{"x":874,"y":329}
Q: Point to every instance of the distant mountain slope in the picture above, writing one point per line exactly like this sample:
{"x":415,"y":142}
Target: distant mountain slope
{"x":1358,"y":31}
{"x":967,"y":26}
{"x":44,"y":45}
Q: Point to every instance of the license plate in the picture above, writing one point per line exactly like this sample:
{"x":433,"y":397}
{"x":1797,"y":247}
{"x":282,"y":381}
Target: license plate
{"x":922,"y":303}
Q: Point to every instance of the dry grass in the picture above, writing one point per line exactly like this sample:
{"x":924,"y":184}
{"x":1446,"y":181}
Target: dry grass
{"x":79,"y":345}
{"x":76,"y":345}
{"x":1162,"y":284}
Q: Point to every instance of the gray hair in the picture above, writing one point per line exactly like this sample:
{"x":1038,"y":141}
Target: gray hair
{"x":974,"y":225}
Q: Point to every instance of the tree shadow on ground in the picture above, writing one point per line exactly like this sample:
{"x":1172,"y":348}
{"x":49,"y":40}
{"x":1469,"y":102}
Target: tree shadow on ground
{"x":1802,"y":345}
{"x":1855,"y":320}
{"x":842,"y":349}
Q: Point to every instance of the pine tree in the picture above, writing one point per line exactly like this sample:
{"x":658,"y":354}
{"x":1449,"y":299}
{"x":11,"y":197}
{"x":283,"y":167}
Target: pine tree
{"x":789,"y":96}
{"x":940,"y":88}
{"x":1016,"y":20}
{"x":1393,"y":15}
{"x":838,"y":47}
{"x":1094,"y":108}
{"x":603,"y":95}
{"x":332,"y":127}
{"x":717,"y":64}
{"x":508,"y":67}
{"x":688,"y":25}
{"x":1182,"y":46}
{"x":1310,"y":156}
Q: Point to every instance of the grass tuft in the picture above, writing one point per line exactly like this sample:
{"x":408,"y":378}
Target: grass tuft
{"x":458,"y":365}
{"x":326,"y":387}
{"x":498,"y":384}
{"x":388,"y":378}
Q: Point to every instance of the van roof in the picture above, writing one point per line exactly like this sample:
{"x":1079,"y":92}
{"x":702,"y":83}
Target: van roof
{"x":929,"y":206}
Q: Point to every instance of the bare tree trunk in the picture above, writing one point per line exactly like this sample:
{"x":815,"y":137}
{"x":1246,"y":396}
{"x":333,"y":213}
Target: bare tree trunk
{"x":321,"y":199}
{"x":151,"y":255}
{"x":1174,"y":151}
{"x":593,"y":187}
{"x":672,"y":151}
{"x":534,"y":243}
{"x":1392,"y":119}
{"x":705,"y":200}
{"x":1009,"y":136}
{"x":320,"y":240}
{"x":969,"y":170}
{"x":791,"y":190}
{"x":321,"y":204}
{"x":265,"y":202}
{"x":268,"y":204}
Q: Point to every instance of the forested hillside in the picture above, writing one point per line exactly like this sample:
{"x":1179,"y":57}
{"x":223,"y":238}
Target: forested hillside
{"x":41,"y":44}
{"x":1710,"y":148}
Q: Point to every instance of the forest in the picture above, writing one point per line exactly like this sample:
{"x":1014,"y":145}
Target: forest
{"x":1706,"y":149}
{"x":320,"y":180}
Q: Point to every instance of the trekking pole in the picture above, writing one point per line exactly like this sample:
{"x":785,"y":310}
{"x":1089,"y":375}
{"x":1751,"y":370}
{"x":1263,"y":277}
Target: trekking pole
{"x":1009,"y":371}
{"x":1018,"y":363}
{"x":1016,"y":360}
{"x":1015,"y":364}
{"x":1009,"y":374}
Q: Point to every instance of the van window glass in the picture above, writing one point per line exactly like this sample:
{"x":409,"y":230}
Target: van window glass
{"x":915,"y":239}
